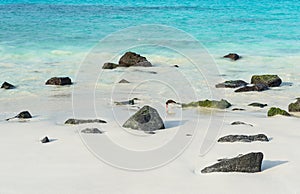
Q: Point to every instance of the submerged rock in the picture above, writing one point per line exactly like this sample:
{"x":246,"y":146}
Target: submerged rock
{"x":7,"y":86}
{"x":277,"y":111}
{"x":146,"y":119}
{"x":232,"y":84}
{"x":295,"y":107}
{"x":240,"y":123}
{"x":248,"y":163}
{"x":83,"y":121}
{"x":257,"y":104}
{"x":109,"y":66}
{"x":59,"y":81}
{"x":45,"y":140}
{"x":254,"y":88}
{"x":133,"y":59}
{"x":232,"y":56}
{"x":243,"y":138}
{"x":124,"y":81}
{"x":222,"y":104}
{"x":92,"y":130}
{"x":269,"y":80}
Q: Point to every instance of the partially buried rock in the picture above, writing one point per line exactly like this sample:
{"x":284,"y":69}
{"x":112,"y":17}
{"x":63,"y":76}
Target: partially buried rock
{"x":22,"y":115}
{"x":45,"y":140}
{"x":133,"y":59}
{"x":240,"y":123}
{"x":254,"y":88}
{"x":7,"y":86}
{"x":124,"y":81}
{"x":277,"y":111}
{"x":59,"y":81}
{"x":232,"y":56}
{"x":244,"y":138}
{"x":232,"y":84}
{"x":83,"y":121}
{"x":222,"y":104}
{"x":257,"y":104}
{"x":248,"y":163}
{"x":109,"y":66}
{"x":295,"y":107}
{"x":269,"y":80}
{"x":92,"y":130}
{"x":146,"y":119}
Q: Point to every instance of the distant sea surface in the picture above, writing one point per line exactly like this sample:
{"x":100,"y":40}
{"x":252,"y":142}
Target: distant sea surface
{"x":44,"y":38}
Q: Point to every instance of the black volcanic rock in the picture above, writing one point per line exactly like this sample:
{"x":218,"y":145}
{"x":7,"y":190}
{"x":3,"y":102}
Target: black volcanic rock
{"x":248,"y":163}
{"x":244,"y":138}
{"x":232,"y":84}
{"x":269,"y":80}
{"x":83,"y":121}
{"x":59,"y":81}
{"x":257,"y":88}
{"x":232,"y":56}
{"x":7,"y":86}
{"x":109,"y":66}
{"x":133,"y":59}
{"x":45,"y":140}
{"x":146,"y":119}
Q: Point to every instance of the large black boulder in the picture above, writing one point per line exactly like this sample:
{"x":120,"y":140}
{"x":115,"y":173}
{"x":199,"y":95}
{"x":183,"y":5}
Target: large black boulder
{"x":133,"y":59}
{"x":269,"y":80}
{"x":248,"y":163}
{"x":146,"y":119}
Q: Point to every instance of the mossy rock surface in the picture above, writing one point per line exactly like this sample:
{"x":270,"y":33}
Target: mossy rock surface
{"x":277,"y":111}
{"x":269,"y":80}
{"x":222,"y":104}
{"x":295,"y":107}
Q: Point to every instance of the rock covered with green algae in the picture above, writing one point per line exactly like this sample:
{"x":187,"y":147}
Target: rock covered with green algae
{"x":222,"y":104}
{"x":295,"y":107}
{"x":277,"y":111}
{"x":269,"y":80}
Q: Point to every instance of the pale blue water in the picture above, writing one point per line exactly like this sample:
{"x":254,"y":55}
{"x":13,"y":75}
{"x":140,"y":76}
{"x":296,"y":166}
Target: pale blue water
{"x":43,"y":38}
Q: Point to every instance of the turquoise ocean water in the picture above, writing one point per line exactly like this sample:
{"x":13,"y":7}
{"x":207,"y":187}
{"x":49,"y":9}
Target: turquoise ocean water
{"x":44,"y":38}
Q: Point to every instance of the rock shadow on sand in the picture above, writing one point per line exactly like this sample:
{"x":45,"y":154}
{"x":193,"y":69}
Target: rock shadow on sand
{"x":268,"y":164}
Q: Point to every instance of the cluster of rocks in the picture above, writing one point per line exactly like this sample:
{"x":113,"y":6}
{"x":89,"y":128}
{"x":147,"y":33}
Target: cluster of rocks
{"x":258,"y":83}
{"x":222,"y":104}
{"x":127,"y":60}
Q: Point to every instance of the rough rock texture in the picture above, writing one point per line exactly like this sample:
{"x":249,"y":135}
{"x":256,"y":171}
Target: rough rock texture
{"x":133,"y":59}
{"x":124,"y":81}
{"x":82,"y":121}
{"x":249,"y":163}
{"x":92,"y":130}
{"x":256,"y":88}
{"x":277,"y":111}
{"x":232,"y":84}
{"x":59,"y":81}
{"x":45,"y":140}
{"x":7,"y":86}
{"x":269,"y":80}
{"x":295,"y":107}
{"x":232,"y":56}
{"x":244,"y":138}
{"x":240,"y":123}
{"x":146,"y":119}
{"x":109,"y":66}
{"x":257,"y":104}
{"x":222,"y":104}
